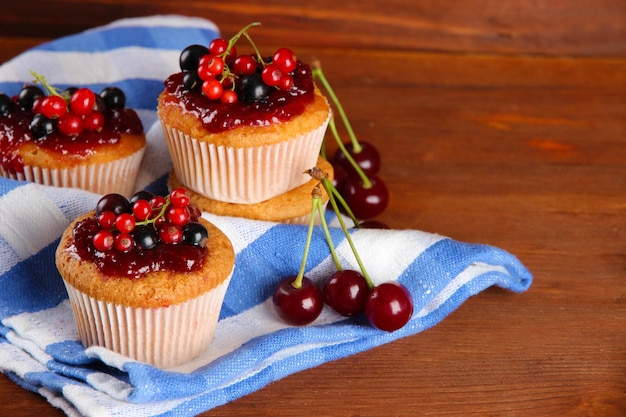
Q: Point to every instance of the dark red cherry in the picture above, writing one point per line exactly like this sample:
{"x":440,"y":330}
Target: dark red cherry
{"x":346,"y":292}
{"x":368,"y":159}
{"x":298,"y":306}
{"x":389,"y":306}
{"x":340,"y":175}
{"x":365,"y":203}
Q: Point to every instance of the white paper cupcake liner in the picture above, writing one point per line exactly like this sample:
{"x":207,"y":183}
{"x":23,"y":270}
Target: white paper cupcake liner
{"x":243,"y":175}
{"x":117,"y":176}
{"x":163,"y":337}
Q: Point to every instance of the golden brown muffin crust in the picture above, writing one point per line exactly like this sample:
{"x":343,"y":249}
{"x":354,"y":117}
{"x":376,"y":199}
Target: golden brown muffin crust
{"x":37,"y":156}
{"x":156,"y":289}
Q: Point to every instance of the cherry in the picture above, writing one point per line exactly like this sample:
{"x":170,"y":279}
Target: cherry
{"x":41,"y":126}
{"x":367,"y":158}
{"x":116,"y":203}
{"x":195,"y":234}
{"x":389,"y":306}
{"x":346,"y":292}
{"x":27,"y":96}
{"x":114,"y":97}
{"x":365,"y":202}
{"x":298,"y":305}
{"x":6,"y":105}
{"x":145,"y":237}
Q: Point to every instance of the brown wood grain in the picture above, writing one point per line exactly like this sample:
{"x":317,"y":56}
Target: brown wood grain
{"x":522,"y":152}
{"x":574,"y":27}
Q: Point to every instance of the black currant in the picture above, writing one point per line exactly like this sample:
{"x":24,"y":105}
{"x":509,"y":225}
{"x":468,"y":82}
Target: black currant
{"x":141,"y":195}
{"x":252,"y":89}
{"x":190,"y":57}
{"x":192,"y":81}
{"x":114,"y":97}
{"x":41,"y":126}
{"x":27,"y":96}
{"x":195,"y":234}
{"x":145,"y":236}
{"x":6,"y":105}
{"x":116,"y":203}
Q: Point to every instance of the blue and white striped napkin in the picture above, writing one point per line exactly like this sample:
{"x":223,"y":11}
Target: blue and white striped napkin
{"x":39,"y":347}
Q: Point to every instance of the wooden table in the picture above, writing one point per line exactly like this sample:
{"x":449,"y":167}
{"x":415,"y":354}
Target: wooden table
{"x":521,"y":151}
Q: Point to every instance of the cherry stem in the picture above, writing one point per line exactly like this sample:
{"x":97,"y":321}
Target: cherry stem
{"x":330,"y":190}
{"x":331,"y":246}
{"x":333,"y":128}
{"x":297,"y":282}
{"x":317,"y":72}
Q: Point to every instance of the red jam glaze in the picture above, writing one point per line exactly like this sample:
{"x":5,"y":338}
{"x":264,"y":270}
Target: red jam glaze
{"x":136,"y":263}
{"x":14,"y":132}
{"x":280,"y":106}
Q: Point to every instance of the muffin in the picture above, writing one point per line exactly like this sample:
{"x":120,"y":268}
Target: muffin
{"x":71,"y":138}
{"x":247,"y":141}
{"x":292,"y":207}
{"x":157,"y":299}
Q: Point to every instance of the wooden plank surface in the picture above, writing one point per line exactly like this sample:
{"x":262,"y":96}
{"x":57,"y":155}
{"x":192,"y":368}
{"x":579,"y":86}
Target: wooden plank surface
{"x":522,"y":152}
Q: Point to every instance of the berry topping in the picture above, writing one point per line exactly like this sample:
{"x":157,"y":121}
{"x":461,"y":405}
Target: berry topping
{"x":130,"y":237}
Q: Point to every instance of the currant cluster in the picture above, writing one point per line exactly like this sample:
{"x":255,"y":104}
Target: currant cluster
{"x":221,"y":74}
{"x":147,"y":219}
{"x":356,"y":165}
{"x":299,"y":301}
{"x":69,"y":112}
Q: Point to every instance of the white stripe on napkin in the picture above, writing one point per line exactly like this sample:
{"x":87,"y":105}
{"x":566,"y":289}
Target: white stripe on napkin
{"x":27,"y":212}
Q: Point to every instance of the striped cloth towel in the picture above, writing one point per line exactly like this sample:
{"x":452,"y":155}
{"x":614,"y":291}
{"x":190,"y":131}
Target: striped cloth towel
{"x":39,"y":347}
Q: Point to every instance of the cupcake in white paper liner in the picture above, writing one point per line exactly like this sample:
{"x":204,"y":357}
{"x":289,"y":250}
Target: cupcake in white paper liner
{"x":115,"y":176}
{"x":164,"y":316}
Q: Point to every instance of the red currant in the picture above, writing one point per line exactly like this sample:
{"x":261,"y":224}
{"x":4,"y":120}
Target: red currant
{"x":218,"y":46}
{"x":106,"y":220}
{"x":211,"y":64}
{"x":298,"y":306}
{"x":70,"y":124}
{"x":271,"y":75}
{"x":178,"y":215}
{"x":103,"y":240}
{"x":93,"y":121}
{"x":53,"y":106}
{"x":244,"y":65}
{"x":157,"y":201}
{"x":170,"y":233}
{"x":286,"y":82}
{"x":346,"y":292}
{"x":142,"y":210}
{"x":82,"y":101}
{"x":389,"y":306}
{"x":124,"y":242}
{"x":125,"y":223}
{"x":212,"y":89}
{"x":179,"y":197}
{"x":229,"y":97}
{"x":285,"y":59}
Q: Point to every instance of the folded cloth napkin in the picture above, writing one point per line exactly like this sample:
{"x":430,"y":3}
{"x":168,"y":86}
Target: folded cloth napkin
{"x":39,"y":346}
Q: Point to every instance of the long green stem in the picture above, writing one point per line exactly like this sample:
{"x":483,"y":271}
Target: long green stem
{"x":333,"y":203}
{"x":333,"y":128}
{"x":297,"y":283}
{"x":317,"y":72}
{"x":331,"y":246}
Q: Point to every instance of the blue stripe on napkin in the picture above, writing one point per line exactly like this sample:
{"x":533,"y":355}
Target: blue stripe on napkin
{"x":39,"y":346}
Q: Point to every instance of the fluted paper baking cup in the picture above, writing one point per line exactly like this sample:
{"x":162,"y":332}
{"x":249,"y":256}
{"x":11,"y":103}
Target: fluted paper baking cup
{"x":243,"y":175}
{"x":163,"y":337}
{"x":116,"y":176}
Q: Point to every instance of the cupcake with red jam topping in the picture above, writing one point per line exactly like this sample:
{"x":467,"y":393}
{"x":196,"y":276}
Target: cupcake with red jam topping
{"x":242,"y":128}
{"x":146,"y":277}
{"x":71,"y":138}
